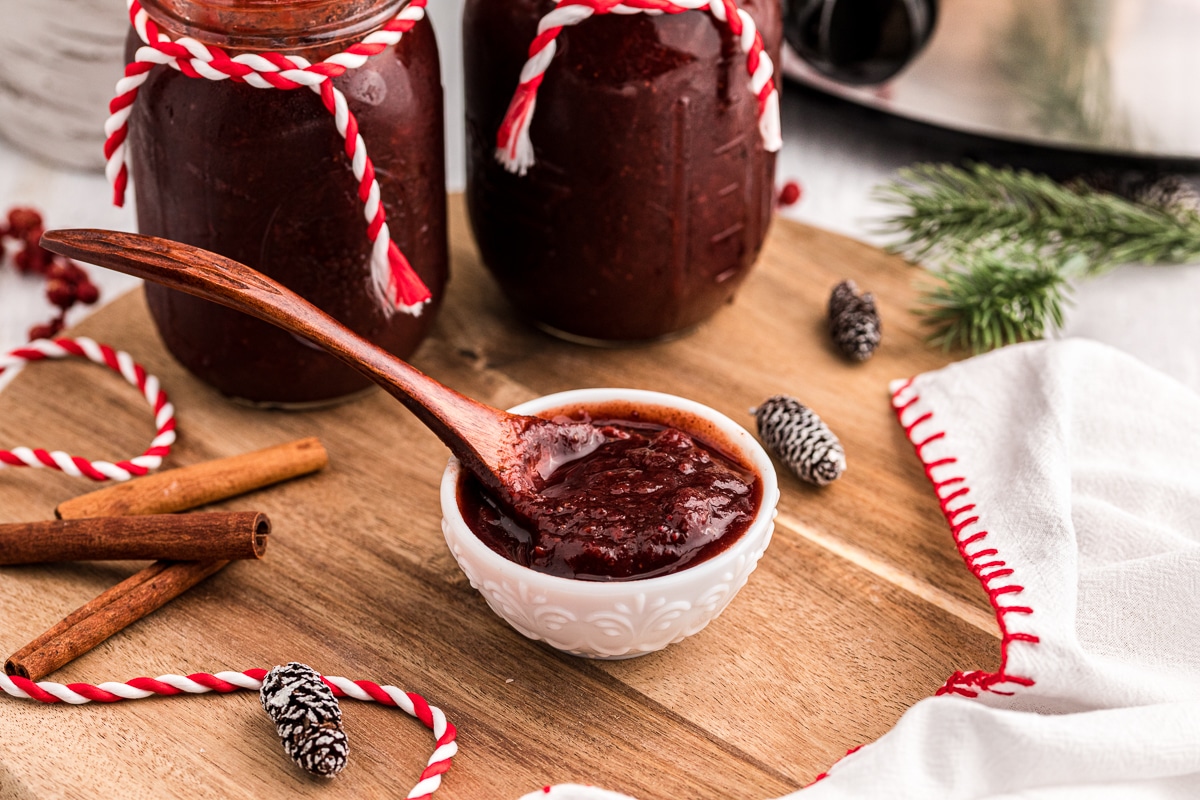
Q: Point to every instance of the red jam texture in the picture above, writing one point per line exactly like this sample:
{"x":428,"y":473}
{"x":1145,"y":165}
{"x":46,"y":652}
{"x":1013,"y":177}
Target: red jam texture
{"x":652,"y":500}
{"x":652,"y":191}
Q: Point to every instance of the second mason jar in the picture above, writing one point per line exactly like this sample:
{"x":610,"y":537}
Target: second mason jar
{"x":652,"y":189}
{"x":262,"y":176}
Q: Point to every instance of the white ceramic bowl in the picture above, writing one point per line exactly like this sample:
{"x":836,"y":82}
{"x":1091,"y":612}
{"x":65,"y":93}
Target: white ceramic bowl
{"x":618,"y":619}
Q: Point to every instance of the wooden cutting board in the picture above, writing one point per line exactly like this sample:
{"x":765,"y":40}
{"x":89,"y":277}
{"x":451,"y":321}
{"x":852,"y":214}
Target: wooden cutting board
{"x":860,"y":608}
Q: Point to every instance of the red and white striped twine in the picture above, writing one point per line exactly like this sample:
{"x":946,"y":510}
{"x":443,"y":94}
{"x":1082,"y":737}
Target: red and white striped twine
{"x":412,"y":704}
{"x":395,"y":282}
{"x":124,"y":365}
{"x":514,"y":149}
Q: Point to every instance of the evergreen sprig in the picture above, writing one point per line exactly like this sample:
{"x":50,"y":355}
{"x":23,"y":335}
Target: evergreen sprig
{"x":1006,"y":244}
{"x":987,"y":302}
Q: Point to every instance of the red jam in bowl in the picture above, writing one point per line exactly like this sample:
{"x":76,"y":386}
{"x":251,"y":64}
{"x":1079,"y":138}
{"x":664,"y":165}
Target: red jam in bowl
{"x":662,"y":493}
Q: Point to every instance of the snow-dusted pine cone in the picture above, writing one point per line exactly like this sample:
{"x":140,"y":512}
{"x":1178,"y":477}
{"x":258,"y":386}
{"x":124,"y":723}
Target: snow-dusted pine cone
{"x":1171,"y":193}
{"x":854,"y":321}
{"x":799,"y":438}
{"x":1167,"y":192}
{"x":308,"y":718}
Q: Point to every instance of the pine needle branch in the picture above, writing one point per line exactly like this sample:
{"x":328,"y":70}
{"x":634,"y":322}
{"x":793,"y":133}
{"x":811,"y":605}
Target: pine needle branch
{"x":1005,"y":246}
{"x":985,"y":302}
{"x":949,"y":209}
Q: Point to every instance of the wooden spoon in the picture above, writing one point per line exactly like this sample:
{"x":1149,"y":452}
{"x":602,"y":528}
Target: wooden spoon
{"x":504,"y":451}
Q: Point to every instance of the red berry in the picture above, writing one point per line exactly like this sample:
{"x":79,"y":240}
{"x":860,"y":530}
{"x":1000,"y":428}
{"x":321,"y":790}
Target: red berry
{"x":60,"y":293}
{"x":32,"y":260}
{"x":46,"y":331}
{"x":33,"y":235}
{"x":63,"y":270}
{"x":790,"y":194}
{"x":87,"y":292}
{"x":23,"y":220}
{"x":57,"y":271}
{"x":76,"y":273}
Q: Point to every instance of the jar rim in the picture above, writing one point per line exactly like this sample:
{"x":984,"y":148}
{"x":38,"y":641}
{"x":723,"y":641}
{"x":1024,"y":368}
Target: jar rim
{"x":291,"y":26}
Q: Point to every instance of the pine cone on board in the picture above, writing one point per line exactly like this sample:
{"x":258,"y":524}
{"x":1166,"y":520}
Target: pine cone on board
{"x":308,"y":718}
{"x":854,"y":321}
{"x":798,"y":438}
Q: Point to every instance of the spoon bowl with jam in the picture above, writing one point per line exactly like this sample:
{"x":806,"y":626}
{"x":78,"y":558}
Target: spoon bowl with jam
{"x":633,"y":548}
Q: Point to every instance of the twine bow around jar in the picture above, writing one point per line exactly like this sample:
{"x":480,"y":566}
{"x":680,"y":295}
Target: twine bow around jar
{"x":514,"y":148}
{"x":395,"y":282}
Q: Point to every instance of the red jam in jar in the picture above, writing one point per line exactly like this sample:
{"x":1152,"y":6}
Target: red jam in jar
{"x":262,"y":176}
{"x":652,"y":189}
{"x":652,"y":500}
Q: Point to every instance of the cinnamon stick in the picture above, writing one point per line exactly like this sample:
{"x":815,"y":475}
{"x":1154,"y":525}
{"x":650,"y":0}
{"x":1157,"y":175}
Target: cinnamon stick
{"x":110,"y":612}
{"x":153,"y":587}
{"x":189,"y":487}
{"x":185,"y":537}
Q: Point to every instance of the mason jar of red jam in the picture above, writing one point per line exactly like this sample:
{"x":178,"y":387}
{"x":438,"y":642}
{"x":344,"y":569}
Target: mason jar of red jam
{"x":262,"y":176}
{"x":651,"y":189}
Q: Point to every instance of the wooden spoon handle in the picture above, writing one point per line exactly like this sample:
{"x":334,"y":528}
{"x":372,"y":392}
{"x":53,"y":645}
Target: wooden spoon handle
{"x":456,"y":419}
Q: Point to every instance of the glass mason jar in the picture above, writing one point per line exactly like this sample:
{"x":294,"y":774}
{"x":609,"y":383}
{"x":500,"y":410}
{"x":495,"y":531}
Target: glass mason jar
{"x":261,"y":176}
{"x":652,"y":190}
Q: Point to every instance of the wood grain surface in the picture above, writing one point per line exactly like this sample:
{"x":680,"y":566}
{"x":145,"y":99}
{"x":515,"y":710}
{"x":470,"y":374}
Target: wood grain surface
{"x":860,"y":607}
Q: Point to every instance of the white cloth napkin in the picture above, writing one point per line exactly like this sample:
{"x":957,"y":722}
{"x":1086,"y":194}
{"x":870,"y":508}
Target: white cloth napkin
{"x":1070,"y":477}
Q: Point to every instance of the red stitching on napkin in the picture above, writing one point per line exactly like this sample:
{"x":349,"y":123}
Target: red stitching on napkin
{"x":825,"y":774}
{"x":985,"y":565}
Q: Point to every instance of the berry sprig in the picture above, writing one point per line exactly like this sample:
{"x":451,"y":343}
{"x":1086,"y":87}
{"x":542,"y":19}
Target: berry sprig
{"x":67,"y":283}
